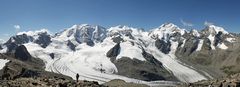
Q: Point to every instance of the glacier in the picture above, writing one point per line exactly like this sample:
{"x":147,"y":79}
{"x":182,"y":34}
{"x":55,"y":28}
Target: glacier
{"x":93,"y":42}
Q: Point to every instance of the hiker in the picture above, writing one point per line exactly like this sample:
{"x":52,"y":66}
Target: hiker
{"x":77,"y":76}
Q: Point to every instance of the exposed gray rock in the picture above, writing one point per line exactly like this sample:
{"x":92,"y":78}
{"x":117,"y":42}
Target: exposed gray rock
{"x":30,"y":69}
{"x":48,"y":82}
{"x":148,"y":70}
{"x":43,"y":40}
{"x":89,"y":34}
{"x":122,"y":83}
{"x":117,"y":39}
{"x":190,"y":46}
{"x":163,"y":46}
{"x":71,"y":45}
{"x":1,"y":47}
{"x":52,"y":55}
{"x":150,"y":58}
{"x":232,"y":81}
{"x":143,"y":70}
{"x":21,"y":53}
{"x":218,"y":38}
{"x":17,"y":40}
{"x":113,"y":52}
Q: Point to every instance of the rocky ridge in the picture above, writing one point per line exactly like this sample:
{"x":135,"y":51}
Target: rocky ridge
{"x":212,"y":52}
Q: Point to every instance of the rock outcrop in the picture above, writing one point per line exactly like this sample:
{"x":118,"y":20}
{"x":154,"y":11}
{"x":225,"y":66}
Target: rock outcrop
{"x":113,"y":52}
{"x":231,"y":81}
{"x":21,"y":53}
{"x":47,"y":82}
{"x":122,"y":83}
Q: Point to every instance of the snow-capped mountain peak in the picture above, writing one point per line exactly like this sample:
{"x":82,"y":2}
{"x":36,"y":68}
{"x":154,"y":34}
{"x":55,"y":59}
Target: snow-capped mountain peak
{"x":169,"y":25}
{"x":83,"y":33}
{"x":94,"y":48}
{"x":194,"y":32}
{"x":166,"y":30}
{"x":212,"y":29}
{"x":218,"y":29}
{"x":119,"y":30}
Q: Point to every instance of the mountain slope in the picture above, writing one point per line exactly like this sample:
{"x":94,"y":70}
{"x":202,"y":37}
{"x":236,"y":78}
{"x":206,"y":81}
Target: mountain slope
{"x":165,"y":53}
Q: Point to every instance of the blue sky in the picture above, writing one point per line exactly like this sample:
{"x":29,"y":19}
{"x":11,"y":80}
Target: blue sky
{"x":56,"y":15}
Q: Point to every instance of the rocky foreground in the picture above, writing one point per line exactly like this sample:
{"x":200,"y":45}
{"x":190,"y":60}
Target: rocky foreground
{"x":47,"y":82}
{"x":61,"y":82}
{"x":231,"y":81}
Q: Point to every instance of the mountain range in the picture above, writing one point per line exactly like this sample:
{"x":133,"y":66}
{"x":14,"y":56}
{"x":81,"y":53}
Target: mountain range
{"x":164,"y":55}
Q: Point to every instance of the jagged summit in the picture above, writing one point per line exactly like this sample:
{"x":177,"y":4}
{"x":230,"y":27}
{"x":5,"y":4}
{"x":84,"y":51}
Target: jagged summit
{"x":212,"y":29}
{"x":168,"y":25}
{"x":194,"y":32}
{"x":83,"y":33}
{"x":123,"y":30}
{"x":166,"y":30}
{"x":22,"y":53}
{"x":123,"y":50}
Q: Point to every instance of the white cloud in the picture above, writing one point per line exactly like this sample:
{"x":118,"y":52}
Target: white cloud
{"x":17,"y":28}
{"x":186,"y":23}
{"x":206,"y":23}
{"x":32,"y":33}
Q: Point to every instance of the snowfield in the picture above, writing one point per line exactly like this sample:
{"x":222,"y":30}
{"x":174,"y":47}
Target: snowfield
{"x":87,"y":62}
{"x":182,"y":72}
{"x":91,"y":62}
{"x":2,"y":63}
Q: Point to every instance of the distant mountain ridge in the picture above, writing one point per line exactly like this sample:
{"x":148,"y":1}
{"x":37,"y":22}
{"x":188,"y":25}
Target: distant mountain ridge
{"x":165,"y":53}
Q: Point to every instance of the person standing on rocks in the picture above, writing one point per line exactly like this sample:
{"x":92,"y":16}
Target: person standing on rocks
{"x":77,"y":77}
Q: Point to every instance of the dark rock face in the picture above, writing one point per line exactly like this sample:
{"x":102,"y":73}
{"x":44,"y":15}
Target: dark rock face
{"x":190,"y":46}
{"x":52,"y":55}
{"x":1,"y":47}
{"x":206,"y":44}
{"x":117,"y":39}
{"x":114,"y":51}
{"x":14,"y":41}
{"x":11,"y":71}
{"x":71,"y":45}
{"x":148,"y":70}
{"x":100,"y":34}
{"x":150,"y":58}
{"x":16,"y":69}
{"x":85,"y":36}
{"x":28,"y":73}
{"x":218,"y":38}
{"x":22,"y":53}
{"x":11,"y":47}
{"x":43,"y":40}
{"x":20,"y":39}
{"x":34,"y":68}
{"x":130,"y":35}
{"x":163,"y":46}
{"x":143,"y":70}
{"x":90,"y":42}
